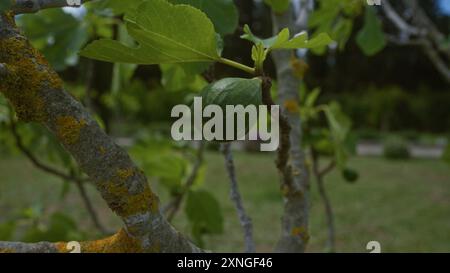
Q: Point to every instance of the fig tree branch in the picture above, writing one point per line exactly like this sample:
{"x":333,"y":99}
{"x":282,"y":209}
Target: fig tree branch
{"x":319,"y":175}
{"x":295,"y":177}
{"x":424,"y":32}
{"x":36,"y":93}
{"x":121,"y":242}
{"x":244,"y":219}
{"x":33,"y":6}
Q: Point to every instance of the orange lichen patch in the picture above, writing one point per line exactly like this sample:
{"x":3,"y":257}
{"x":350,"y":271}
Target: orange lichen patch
{"x":299,"y":67}
{"x":142,"y":202}
{"x":126,"y":204}
{"x":292,"y":106}
{"x":28,"y":74}
{"x":120,"y":242}
{"x":301,"y":232}
{"x":6,"y":250}
{"x":68,"y":129}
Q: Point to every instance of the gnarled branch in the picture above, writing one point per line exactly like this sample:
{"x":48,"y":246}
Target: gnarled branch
{"x":37,"y":94}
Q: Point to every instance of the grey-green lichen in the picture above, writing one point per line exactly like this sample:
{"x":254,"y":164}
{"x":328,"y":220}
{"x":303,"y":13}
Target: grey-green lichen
{"x":68,"y":129}
{"x":27,"y":73}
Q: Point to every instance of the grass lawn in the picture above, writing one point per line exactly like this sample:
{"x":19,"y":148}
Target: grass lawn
{"x":405,"y":205}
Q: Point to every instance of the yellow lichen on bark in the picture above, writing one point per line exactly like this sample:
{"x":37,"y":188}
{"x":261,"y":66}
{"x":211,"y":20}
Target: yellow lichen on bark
{"x":125,"y":173}
{"x":102,"y":150}
{"x":299,"y":67}
{"x":302,"y":232}
{"x":68,"y":129}
{"x":141,"y":202}
{"x":292,"y":106}
{"x":27,"y":74}
{"x":126,"y":204}
{"x":6,"y":250}
{"x":120,"y":242}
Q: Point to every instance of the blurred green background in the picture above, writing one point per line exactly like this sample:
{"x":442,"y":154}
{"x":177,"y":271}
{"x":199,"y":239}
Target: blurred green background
{"x":397,"y":145}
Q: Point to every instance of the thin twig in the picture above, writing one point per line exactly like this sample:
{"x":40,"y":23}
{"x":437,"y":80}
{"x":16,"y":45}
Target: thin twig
{"x":38,"y":164}
{"x":429,"y":37}
{"x":235,"y":196}
{"x":173,"y":207}
{"x":90,"y":208}
{"x":331,"y":165}
{"x":319,"y":174}
{"x":66,"y":177}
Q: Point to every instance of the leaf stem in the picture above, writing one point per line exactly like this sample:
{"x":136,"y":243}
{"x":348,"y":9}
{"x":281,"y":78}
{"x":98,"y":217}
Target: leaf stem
{"x":237,"y":65}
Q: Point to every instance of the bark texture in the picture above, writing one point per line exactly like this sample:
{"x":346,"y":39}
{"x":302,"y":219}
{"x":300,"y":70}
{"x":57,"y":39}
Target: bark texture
{"x":235,"y":196}
{"x":37,"y":95}
{"x":294,"y":185}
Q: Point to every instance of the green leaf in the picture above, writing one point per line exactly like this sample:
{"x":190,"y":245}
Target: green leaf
{"x":350,"y":175}
{"x":176,"y":77}
{"x":248,"y":35}
{"x":223,"y":13}
{"x":342,"y":31}
{"x":166,"y":33}
{"x":370,"y":38}
{"x":57,"y":34}
{"x":160,"y":161}
{"x":204,"y":213}
{"x":312,"y":97}
{"x":301,"y":41}
{"x":233,"y":91}
{"x":339,"y":125}
{"x":259,"y":55}
{"x":5,"y":4}
{"x":283,"y":41}
{"x":60,"y":226}
{"x":338,"y":122}
{"x":278,"y":6}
